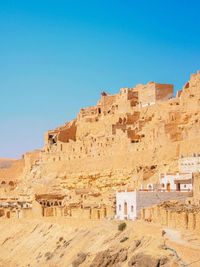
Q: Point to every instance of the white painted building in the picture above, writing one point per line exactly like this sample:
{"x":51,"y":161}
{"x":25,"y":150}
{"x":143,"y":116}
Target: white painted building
{"x":129,"y":203}
{"x":176,"y":182}
{"x":126,"y":205}
{"x":189,"y":164}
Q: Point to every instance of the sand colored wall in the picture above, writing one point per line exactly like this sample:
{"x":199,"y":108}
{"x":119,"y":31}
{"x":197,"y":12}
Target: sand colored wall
{"x":77,"y":212}
{"x":118,"y":144}
{"x":50,"y":211}
{"x":12,"y":173}
{"x":30,"y":158}
{"x":80,"y":213}
{"x":164,"y":91}
{"x":147,"y":95}
{"x":28,"y":213}
{"x":177,"y":219}
{"x":9,"y":213}
{"x":196,"y":190}
{"x":37,"y":210}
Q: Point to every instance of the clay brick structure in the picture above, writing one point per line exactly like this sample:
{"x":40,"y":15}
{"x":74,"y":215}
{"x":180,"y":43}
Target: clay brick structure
{"x":56,"y":205}
{"x":176,"y":182}
{"x":190,"y":164}
{"x":174,"y":214}
{"x":124,"y":141}
{"x":129,"y":204}
{"x":153,"y":92}
{"x":13,"y":207}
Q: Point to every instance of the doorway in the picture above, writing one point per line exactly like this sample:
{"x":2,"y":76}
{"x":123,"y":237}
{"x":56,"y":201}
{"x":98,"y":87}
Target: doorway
{"x":168,"y":187}
{"x":125,"y":209}
{"x":178,"y":187}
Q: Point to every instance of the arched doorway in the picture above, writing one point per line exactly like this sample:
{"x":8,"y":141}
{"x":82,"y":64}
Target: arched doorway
{"x":2,"y":213}
{"x":125,"y":209}
{"x":168,"y":187}
{"x":8,"y":214}
{"x":11,"y":183}
{"x":178,"y":187}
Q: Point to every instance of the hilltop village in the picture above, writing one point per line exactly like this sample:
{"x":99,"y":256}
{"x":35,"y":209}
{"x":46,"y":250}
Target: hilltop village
{"x":119,"y":159}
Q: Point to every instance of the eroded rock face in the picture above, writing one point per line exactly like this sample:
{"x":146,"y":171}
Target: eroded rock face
{"x":71,"y":244}
{"x":81,"y":257}
{"x":144,"y":260}
{"x":110,"y":258}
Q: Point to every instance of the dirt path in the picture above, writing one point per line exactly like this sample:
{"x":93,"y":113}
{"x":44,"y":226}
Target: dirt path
{"x":186,"y":245}
{"x":186,"y":250}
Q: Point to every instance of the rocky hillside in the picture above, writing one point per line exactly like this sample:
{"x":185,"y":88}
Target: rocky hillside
{"x":86,"y":243}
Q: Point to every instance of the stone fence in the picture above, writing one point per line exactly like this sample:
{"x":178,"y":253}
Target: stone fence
{"x":173,"y":216}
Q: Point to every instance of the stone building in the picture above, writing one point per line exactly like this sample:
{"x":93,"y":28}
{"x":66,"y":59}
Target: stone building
{"x":129,"y":204}
{"x":153,"y":92}
{"x":71,"y":206}
{"x":125,"y":140}
{"x":176,"y":182}
{"x":13,"y":207}
{"x":189,"y":164}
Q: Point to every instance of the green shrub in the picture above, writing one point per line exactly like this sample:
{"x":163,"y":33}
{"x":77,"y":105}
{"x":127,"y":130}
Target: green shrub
{"x":122,"y":226}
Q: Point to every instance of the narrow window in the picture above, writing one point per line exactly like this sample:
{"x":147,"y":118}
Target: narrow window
{"x":132,"y":208}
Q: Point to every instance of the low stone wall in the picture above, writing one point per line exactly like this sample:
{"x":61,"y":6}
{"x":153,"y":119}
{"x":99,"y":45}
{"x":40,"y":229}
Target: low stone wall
{"x":9,"y":213}
{"x":182,"y":219}
{"x":78,"y":212}
{"x":148,"y":199}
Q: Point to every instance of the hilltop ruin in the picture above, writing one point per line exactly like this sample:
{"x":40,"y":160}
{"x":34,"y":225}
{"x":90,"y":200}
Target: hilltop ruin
{"x":125,"y":141}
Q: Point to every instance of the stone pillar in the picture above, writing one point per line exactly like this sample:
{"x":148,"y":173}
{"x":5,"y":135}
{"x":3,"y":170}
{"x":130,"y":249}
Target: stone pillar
{"x":197,"y":229}
{"x":191,"y":221}
{"x":182,"y":220}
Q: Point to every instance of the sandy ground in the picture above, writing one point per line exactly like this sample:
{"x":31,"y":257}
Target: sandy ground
{"x":56,"y":243}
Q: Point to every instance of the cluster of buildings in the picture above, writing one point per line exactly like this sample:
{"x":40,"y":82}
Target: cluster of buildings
{"x":103,"y":147}
{"x":121,"y":111}
{"x":127,"y":204}
{"x":171,"y":186}
{"x":14,"y":207}
{"x":76,"y":205}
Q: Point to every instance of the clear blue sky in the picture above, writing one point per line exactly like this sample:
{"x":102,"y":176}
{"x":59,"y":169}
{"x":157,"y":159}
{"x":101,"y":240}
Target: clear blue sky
{"x":57,"y":56}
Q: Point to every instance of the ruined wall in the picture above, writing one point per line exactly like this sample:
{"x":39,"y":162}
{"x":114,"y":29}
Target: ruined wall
{"x":11,"y":176}
{"x":117,"y":144}
{"x":173,"y":215}
{"x":164,"y":91}
{"x":196,"y":189}
{"x":147,"y":94}
{"x":30,"y":158}
{"x":68,"y":133}
{"x":147,"y":199}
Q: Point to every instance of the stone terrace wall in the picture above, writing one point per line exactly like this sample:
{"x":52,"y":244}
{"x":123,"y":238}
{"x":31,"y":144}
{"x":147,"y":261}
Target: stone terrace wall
{"x":147,"y":199}
{"x":177,"y":217}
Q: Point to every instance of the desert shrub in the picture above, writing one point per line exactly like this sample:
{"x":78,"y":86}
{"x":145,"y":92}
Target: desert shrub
{"x":48,"y":255}
{"x":60,"y":240}
{"x":122,"y":226}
